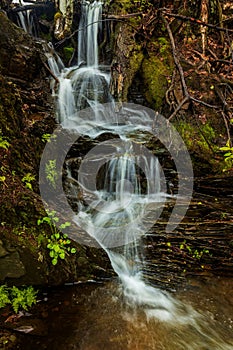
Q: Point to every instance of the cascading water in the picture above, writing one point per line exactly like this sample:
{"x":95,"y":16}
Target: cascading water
{"x":131,"y":185}
{"x":125,"y":193}
{"x":84,"y":85}
{"x":89,"y":26}
{"x":25,"y":19}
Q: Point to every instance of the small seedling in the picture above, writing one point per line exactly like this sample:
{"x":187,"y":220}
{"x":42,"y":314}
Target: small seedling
{"x":58,"y":243}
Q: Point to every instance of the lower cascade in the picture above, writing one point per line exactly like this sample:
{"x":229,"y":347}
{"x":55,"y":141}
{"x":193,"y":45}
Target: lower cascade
{"x":129,"y":184}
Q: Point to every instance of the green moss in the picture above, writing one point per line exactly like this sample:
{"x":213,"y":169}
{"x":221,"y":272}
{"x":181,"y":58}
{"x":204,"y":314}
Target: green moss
{"x":135,"y":61}
{"x":155,"y":73}
{"x":200,"y":139}
{"x":201,"y":143}
{"x":68,"y":53}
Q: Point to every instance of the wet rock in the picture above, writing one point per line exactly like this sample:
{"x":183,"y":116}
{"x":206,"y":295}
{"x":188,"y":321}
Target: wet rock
{"x":3,"y":251}
{"x":20,"y":58}
{"x":11,"y":266}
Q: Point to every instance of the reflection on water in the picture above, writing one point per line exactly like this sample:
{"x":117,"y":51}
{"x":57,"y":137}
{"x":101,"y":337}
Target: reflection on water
{"x":95,"y":317}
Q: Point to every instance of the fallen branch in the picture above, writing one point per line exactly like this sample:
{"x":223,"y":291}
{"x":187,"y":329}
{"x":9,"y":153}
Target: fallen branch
{"x":129,"y":15}
{"x":195,"y":21}
{"x":203,"y":103}
{"x":27,"y":7}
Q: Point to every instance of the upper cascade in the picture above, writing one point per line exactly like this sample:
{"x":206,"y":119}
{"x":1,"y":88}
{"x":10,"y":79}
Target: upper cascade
{"x":89,"y":27}
{"x":86,"y":84}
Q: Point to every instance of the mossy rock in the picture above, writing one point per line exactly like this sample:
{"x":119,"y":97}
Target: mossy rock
{"x":155,"y":74}
{"x":201,"y":142}
{"x":135,"y":62}
{"x":68,"y":53}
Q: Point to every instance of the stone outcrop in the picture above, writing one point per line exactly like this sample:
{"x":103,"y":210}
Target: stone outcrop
{"x":20,"y":55}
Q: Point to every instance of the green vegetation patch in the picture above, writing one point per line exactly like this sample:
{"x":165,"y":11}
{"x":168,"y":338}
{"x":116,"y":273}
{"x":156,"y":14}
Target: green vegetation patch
{"x":18,"y":298}
{"x":155,"y":74}
{"x":68,"y":53}
{"x":199,"y":139}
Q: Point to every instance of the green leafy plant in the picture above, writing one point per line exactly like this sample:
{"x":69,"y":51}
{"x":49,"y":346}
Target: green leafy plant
{"x":18,"y":298}
{"x":68,"y":52}
{"x":142,"y":5}
{"x":51,"y":172}
{"x":195,"y":253}
{"x":4,"y":143}
{"x":229,"y":151}
{"x":228,"y":156}
{"x":23,"y":298}
{"x":4,"y":296}
{"x":2,"y":178}
{"x":58,"y":243}
{"x":27,"y":179}
{"x":47,"y":137}
{"x":199,"y":254}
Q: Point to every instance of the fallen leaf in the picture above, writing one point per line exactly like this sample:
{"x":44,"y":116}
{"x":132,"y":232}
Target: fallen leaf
{"x":24,"y":329}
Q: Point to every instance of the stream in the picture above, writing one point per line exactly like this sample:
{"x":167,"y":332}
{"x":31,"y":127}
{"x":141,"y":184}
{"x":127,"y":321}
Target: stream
{"x":94,"y":316}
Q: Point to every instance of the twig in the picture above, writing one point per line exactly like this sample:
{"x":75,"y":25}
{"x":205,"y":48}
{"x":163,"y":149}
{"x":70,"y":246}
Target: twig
{"x":213,"y":54}
{"x":222,"y":98}
{"x":186,"y":99}
{"x":227,"y":127}
{"x":203,"y":103}
{"x":223,"y":61}
{"x":171,"y":88}
{"x":53,"y":75}
{"x":27,"y":7}
{"x":176,"y":60}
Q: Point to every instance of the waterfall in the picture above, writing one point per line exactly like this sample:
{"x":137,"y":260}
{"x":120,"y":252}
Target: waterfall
{"x":89,"y":27}
{"x":129,"y":182}
{"x":115,"y":222}
{"x":25,"y":19}
{"x":85,"y":85}
{"x":125,"y":190}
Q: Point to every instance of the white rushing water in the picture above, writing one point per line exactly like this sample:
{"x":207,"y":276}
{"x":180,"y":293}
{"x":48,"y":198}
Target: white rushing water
{"x":130,"y":182}
{"x":25,"y":18}
{"x":125,"y":192}
{"x":89,"y":26}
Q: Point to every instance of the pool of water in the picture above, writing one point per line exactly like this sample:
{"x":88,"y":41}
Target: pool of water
{"x":94,"y":316}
